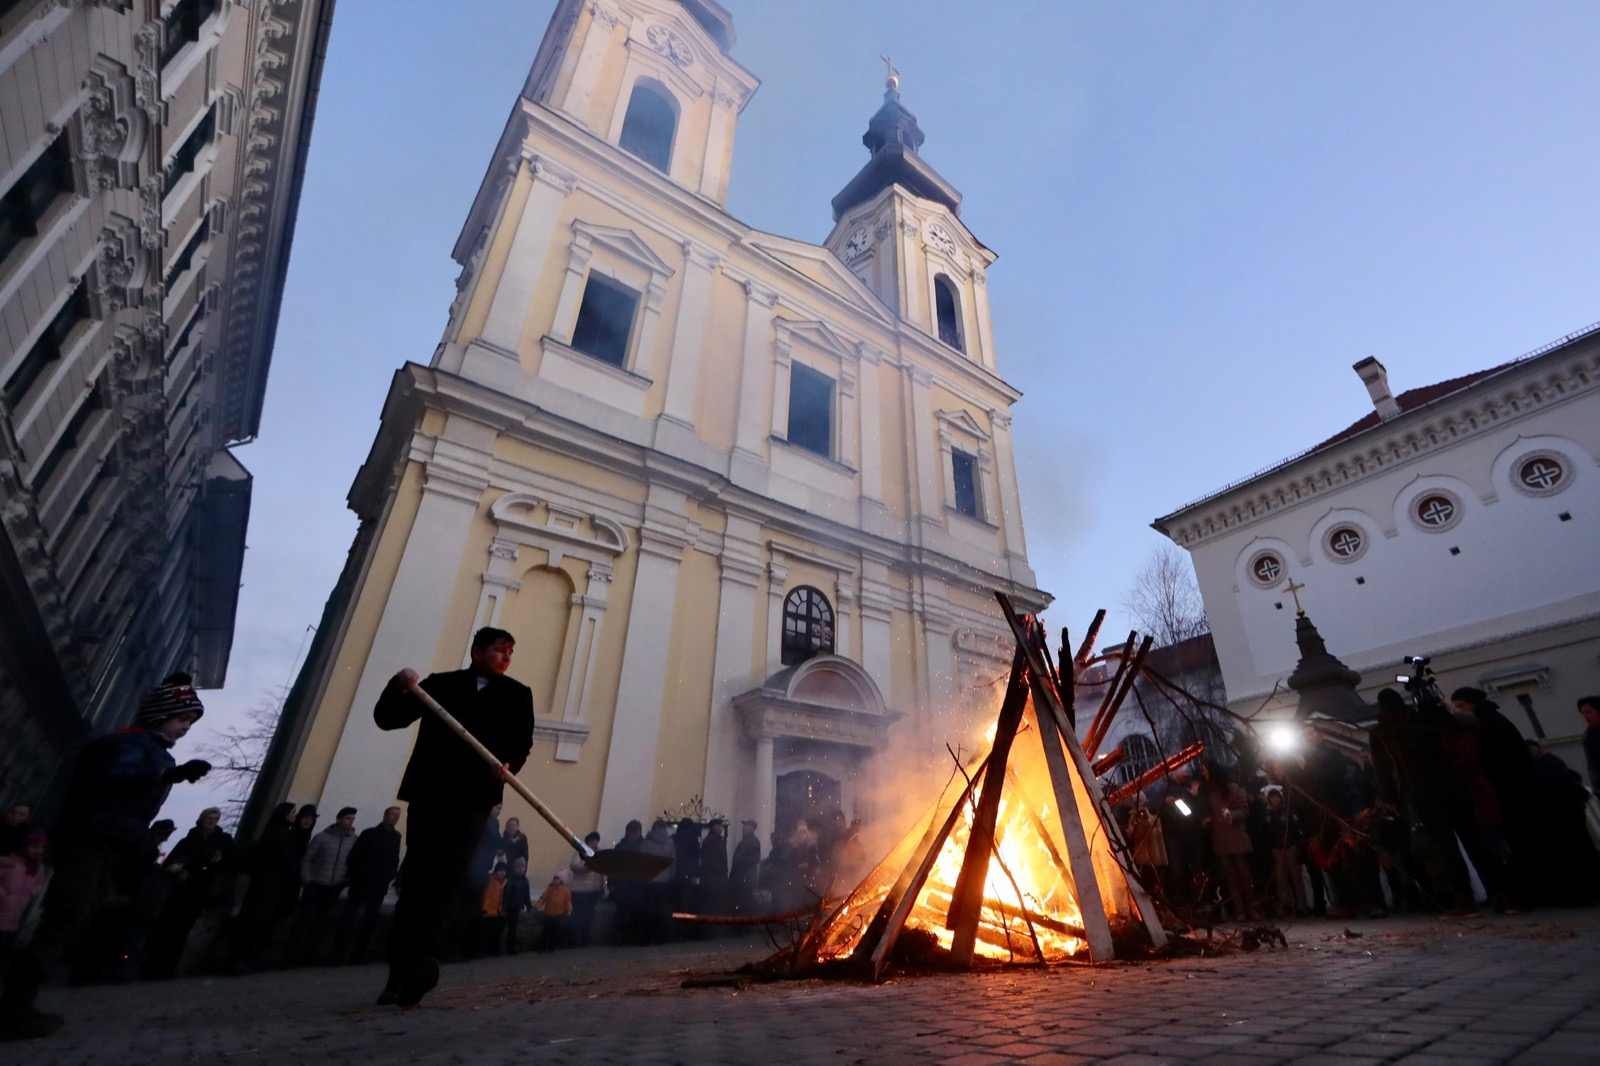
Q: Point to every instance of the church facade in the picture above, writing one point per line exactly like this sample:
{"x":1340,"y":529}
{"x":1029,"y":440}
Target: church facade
{"x":743,"y":500}
{"x":1455,"y":521}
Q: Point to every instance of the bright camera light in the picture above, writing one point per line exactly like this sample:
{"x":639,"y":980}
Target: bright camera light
{"x":1183,"y":808}
{"x":1282,"y":739}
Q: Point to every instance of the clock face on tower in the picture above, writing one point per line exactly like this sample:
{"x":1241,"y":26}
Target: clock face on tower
{"x":857,"y":245}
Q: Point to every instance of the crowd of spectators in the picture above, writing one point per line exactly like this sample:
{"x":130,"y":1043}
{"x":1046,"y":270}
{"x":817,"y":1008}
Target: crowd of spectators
{"x":1443,"y":792}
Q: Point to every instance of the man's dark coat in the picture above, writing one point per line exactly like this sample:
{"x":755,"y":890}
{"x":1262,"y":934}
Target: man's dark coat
{"x":444,"y":771}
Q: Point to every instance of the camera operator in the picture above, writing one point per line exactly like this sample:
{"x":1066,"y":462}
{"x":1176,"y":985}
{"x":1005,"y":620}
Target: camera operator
{"x":1414,"y":774}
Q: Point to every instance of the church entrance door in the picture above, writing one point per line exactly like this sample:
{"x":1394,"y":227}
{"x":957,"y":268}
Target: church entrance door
{"x":808,"y":795}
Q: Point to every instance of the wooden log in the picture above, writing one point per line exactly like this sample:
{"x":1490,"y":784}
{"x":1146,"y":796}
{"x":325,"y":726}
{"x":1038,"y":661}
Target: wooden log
{"x":967,"y":898}
{"x":1111,"y":690}
{"x":1109,"y":712}
{"x":1059,"y":739}
{"x":896,"y":918}
{"x":1086,"y":649}
{"x":1155,"y":773}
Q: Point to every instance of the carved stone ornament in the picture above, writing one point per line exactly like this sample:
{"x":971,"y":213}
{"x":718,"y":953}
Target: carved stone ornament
{"x":669,"y":44}
{"x":604,"y":16}
{"x":116,"y":280}
{"x":940,"y":240}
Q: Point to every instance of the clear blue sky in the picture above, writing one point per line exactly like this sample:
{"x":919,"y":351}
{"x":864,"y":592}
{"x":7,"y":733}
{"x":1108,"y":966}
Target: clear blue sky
{"x":1205,"y":213}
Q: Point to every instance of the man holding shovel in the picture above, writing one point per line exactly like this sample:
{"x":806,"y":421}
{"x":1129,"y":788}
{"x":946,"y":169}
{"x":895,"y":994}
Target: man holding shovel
{"x":450,"y":791}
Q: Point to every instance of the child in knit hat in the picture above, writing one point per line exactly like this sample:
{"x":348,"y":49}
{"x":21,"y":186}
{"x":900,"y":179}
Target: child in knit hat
{"x":119,"y":782}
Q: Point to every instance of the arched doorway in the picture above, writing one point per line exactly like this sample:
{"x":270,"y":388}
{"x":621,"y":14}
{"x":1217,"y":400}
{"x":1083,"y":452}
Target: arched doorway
{"x":808,"y":795}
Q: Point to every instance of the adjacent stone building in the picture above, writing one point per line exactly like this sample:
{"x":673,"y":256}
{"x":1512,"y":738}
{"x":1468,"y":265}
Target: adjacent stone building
{"x":743,"y":500}
{"x":1457,"y":521}
{"x":151,"y":154}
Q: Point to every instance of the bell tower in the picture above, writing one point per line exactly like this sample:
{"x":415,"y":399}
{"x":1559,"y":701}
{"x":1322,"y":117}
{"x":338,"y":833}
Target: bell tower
{"x":651,"y":76}
{"x":897,"y":227}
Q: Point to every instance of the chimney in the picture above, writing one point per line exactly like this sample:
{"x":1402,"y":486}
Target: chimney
{"x":1376,"y":379}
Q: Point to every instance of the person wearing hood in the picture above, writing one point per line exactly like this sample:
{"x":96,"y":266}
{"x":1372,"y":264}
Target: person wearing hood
{"x":324,"y":872}
{"x":118,"y":783}
{"x":201,"y":865}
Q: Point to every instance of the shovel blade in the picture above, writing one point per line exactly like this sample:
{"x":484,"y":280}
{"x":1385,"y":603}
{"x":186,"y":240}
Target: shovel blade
{"x":627,"y":865}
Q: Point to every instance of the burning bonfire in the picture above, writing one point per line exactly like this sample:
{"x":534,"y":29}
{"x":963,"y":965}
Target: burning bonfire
{"x":1019,"y":860}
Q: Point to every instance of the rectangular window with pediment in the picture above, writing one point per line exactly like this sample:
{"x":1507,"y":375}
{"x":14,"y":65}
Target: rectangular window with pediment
{"x":605,"y":320}
{"x":183,"y":25}
{"x":811,"y":410}
{"x":48,"y":349}
{"x":965,"y":467}
{"x":188,"y":153}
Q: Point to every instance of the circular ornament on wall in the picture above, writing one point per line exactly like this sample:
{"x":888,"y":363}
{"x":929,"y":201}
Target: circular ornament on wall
{"x":1344,"y":543}
{"x":1266,"y":569}
{"x":1436,"y":511}
{"x":1541,"y":473}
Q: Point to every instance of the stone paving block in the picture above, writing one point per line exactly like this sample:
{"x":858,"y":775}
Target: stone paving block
{"x":1059,"y":1058}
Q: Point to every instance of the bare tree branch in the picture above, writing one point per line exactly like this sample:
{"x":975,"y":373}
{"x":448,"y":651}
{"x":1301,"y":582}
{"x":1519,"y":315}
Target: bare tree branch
{"x":237,"y":752}
{"x":1165,"y":599}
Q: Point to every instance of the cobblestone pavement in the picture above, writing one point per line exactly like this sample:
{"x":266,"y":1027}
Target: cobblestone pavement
{"x":1417,"y":991}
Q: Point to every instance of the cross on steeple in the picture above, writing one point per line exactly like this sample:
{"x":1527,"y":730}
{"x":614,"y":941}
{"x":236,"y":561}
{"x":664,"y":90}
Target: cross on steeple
{"x":1294,"y":590}
{"x":891,"y":76}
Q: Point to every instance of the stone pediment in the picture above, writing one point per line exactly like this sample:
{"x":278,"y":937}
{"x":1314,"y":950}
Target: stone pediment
{"x":625,"y":243}
{"x":962,"y":421}
{"x":822,"y":267}
{"x":818,"y":335}
{"x":827,"y":698}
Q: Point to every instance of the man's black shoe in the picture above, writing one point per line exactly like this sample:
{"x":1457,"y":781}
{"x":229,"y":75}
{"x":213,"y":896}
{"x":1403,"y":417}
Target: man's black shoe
{"x":420,"y":979}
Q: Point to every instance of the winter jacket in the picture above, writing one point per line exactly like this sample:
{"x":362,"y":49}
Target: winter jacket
{"x":327,"y":857}
{"x":493,"y":902}
{"x":1229,"y":808}
{"x":657,"y":842}
{"x":117,"y":788}
{"x":18,"y":887}
{"x":444,"y":771}
{"x":714,"y":862}
{"x":1148,"y":840}
{"x":205,"y":859}
{"x":583,"y":879}
{"x":374,"y":858}
{"x":746,"y":862}
{"x":518,"y":895}
{"x":555,"y":901}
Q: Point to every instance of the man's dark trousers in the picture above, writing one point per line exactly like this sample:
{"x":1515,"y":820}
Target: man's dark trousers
{"x":440,"y":843}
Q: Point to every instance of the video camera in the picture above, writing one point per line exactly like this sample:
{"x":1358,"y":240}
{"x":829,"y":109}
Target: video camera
{"x":1420,"y":682}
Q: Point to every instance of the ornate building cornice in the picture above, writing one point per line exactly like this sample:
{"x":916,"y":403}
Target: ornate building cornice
{"x":1478,"y":409}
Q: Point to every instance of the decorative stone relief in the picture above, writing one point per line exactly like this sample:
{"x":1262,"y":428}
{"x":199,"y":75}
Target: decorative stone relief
{"x":117,"y":276}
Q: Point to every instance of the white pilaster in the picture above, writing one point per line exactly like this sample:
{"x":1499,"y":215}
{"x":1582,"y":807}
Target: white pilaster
{"x":980,"y":313}
{"x":777,"y":581}
{"x":635,"y":730}
{"x":368,"y":762}
{"x":591,"y":56}
{"x":766,"y":790}
{"x":735,"y":652}
{"x":1006,"y":482}
{"x":591,"y":605}
{"x":754,"y":426}
{"x":871,"y":416}
{"x":923,"y":432}
{"x":513,"y":297}
{"x":683,"y":376}
{"x":713,"y":176}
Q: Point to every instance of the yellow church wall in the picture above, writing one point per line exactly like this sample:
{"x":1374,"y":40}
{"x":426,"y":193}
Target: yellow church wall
{"x":893,"y":440}
{"x":494,"y":261}
{"x":686,"y":710}
{"x":570,"y":469}
{"x":903,"y":672}
{"x":334,"y":709}
{"x":460,"y":617}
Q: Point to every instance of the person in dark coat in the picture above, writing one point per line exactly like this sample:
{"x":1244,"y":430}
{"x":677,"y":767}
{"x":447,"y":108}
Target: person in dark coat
{"x":274,"y":883}
{"x":745,"y":871}
{"x":686,"y":866}
{"x":513,"y":841}
{"x":450,"y":792}
{"x":201,"y":866}
{"x":1573,"y":873}
{"x":119,"y":782}
{"x":714,"y":869}
{"x":1505,"y":762}
{"x":628,"y":894}
{"x":374,"y":862}
{"x":1412,"y":769}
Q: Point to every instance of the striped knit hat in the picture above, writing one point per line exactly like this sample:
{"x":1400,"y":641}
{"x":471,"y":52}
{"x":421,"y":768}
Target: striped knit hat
{"x":175,"y":695}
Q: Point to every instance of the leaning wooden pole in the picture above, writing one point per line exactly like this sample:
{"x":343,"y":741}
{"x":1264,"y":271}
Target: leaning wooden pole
{"x":1047,"y":707}
{"x":1109,"y":711}
{"x":966,"y":899}
{"x":1086,"y":649}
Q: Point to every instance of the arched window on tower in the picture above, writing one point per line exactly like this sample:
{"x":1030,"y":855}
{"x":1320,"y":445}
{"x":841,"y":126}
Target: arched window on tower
{"x":947,"y":306}
{"x":648,"y":127}
{"x":807,"y":625}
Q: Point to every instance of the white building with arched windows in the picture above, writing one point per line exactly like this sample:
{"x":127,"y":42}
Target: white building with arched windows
{"x":743,"y":500}
{"x":1458,"y":521}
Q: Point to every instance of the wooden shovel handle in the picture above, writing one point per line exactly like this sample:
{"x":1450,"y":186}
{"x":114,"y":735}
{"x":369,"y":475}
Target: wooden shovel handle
{"x":505,"y":773}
